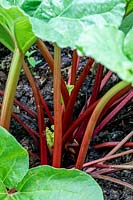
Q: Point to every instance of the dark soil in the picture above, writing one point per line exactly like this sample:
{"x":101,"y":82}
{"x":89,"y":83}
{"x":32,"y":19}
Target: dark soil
{"x":116,"y":130}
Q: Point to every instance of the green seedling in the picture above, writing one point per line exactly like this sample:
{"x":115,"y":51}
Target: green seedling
{"x":31,"y":60}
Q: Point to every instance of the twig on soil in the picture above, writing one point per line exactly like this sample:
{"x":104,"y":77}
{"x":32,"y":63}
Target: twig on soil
{"x":114,"y":180}
{"x":112,"y":144}
{"x":107,"y":158}
{"x":121,"y":143}
{"x":121,"y":166}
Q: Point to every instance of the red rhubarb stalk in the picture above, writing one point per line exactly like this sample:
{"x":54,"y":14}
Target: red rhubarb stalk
{"x":49,"y":59}
{"x":117,"y":98}
{"x":105,"y":79}
{"x":113,"y":113}
{"x":69,"y":109}
{"x":97,"y":83}
{"x":57,"y":108}
{"x":43,"y":145}
{"x":78,"y":121}
{"x":95,"y":91}
{"x":93,"y":120}
{"x":75,"y":63}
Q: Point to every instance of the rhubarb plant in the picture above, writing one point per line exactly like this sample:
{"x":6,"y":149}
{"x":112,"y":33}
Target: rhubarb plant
{"x":17,"y":181}
{"x":90,"y":28}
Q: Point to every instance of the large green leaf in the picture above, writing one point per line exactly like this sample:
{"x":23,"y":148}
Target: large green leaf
{"x":45,"y":182}
{"x":24,"y":36}
{"x":105,"y":44}
{"x":64,"y":21}
{"x":13,"y":160}
{"x":3,"y":193}
{"x":128,"y":45}
{"x":6,"y":38}
{"x":5,"y":34}
{"x":15,"y":29}
{"x":129,"y":7}
{"x":127,"y":23}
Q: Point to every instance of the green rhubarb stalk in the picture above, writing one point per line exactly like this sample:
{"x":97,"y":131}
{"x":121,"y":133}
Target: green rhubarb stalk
{"x":10,"y":89}
{"x":57,"y":108}
{"x":93,"y":120}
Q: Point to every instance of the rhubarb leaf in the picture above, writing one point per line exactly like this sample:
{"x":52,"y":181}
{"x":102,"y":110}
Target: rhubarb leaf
{"x":128,"y":45}
{"x":64,"y":21}
{"x":14,"y":162}
{"x":45,"y":182}
{"x":127,"y":23}
{"x":5,"y":34}
{"x":3,"y":193}
{"x":15,"y":28}
{"x":129,"y":6}
{"x":105,"y":45}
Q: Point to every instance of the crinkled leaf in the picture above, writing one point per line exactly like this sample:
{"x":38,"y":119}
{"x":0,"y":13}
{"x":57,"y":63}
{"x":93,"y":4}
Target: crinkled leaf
{"x":13,"y":160}
{"x":45,"y":182}
{"x":64,"y":21}
{"x":128,"y":45}
{"x":105,"y":44}
{"x":127,"y":23}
